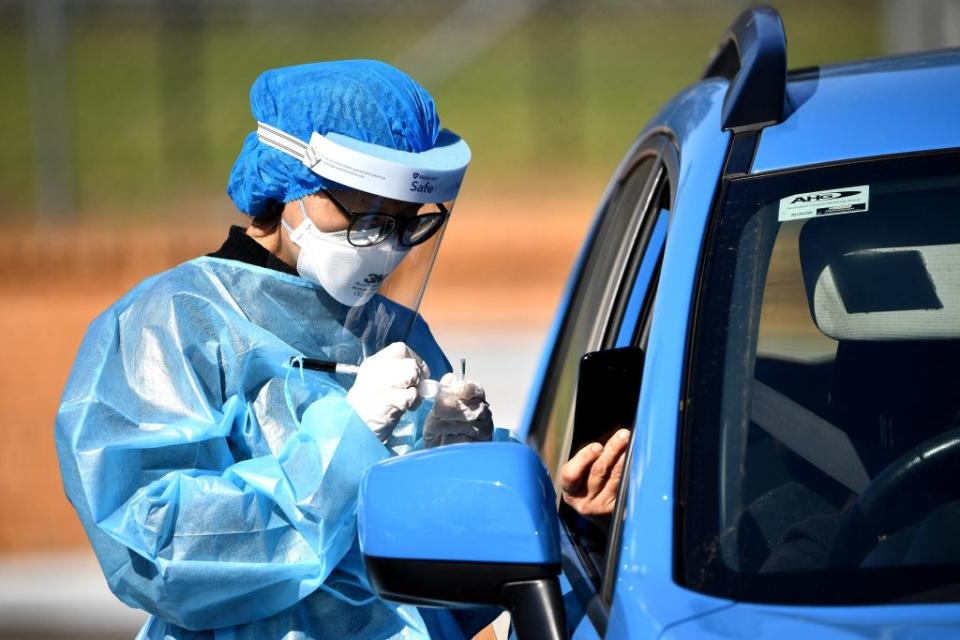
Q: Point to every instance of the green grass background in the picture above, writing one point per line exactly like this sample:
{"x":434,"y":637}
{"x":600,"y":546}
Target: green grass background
{"x":562,"y":94}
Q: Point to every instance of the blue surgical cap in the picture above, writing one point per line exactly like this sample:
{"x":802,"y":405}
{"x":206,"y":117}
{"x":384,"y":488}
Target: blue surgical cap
{"x":366,"y":100}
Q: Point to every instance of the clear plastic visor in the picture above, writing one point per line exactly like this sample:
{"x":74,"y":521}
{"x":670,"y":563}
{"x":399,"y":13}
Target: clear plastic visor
{"x":407,"y":236}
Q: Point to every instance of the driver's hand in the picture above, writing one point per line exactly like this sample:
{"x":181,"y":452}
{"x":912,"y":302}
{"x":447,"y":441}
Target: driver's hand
{"x":590,"y":480}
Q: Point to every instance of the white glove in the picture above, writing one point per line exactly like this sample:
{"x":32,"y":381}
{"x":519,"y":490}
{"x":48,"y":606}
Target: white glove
{"x":460,"y":414}
{"x":386,"y":387}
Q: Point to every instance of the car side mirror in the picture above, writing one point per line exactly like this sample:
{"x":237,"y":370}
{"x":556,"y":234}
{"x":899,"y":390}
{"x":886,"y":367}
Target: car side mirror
{"x":466,"y":524}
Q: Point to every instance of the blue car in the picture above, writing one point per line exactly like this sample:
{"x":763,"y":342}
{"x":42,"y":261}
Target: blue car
{"x":770,"y":300}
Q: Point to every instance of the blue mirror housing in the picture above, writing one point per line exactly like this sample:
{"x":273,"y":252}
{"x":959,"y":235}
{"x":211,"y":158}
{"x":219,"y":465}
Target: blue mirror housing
{"x":479,"y":502}
{"x":466,"y":525}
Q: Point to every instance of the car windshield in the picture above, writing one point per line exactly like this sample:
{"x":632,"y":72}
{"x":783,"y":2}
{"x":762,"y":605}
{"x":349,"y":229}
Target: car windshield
{"x":822,"y":448}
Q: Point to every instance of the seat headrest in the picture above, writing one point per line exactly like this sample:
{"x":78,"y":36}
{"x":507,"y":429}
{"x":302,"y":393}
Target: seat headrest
{"x":884,"y":274}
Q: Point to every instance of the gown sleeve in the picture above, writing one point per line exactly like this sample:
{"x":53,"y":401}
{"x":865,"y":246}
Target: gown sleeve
{"x":190,"y":521}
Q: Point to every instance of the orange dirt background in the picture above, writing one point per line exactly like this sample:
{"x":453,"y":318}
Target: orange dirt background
{"x":502,"y":266}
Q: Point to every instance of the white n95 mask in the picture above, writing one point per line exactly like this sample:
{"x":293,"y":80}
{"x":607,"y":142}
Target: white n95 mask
{"x":351,"y":275}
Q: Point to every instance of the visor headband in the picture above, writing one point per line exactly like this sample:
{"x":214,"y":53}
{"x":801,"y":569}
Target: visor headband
{"x":426,"y":177}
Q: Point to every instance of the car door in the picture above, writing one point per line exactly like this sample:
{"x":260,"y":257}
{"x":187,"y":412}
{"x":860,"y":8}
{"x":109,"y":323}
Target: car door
{"x":609,"y":307}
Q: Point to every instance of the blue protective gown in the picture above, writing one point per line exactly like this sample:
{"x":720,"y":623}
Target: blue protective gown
{"x":217,"y":485}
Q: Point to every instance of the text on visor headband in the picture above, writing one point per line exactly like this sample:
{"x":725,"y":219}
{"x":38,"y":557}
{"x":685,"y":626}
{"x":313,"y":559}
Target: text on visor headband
{"x":425,"y":177}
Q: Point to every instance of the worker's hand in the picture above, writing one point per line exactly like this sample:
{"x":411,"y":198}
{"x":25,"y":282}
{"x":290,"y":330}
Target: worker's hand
{"x":590,"y":480}
{"x":460,"y":414}
{"x":386,"y":387}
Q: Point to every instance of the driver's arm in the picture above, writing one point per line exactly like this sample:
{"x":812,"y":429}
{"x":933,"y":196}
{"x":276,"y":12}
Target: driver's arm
{"x":590,"y":480}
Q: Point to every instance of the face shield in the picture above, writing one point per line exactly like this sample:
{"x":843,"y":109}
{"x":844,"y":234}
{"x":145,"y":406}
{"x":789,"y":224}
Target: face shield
{"x":397,"y":205}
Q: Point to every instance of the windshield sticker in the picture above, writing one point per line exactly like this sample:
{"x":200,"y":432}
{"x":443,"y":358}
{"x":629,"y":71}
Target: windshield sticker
{"x":824,"y":203}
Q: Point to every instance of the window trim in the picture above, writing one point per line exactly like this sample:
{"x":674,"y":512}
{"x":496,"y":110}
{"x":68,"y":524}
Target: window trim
{"x":671,"y":162}
{"x":661,"y":147}
{"x":658,"y":199}
{"x":650,"y":148}
{"x":603,"y":323}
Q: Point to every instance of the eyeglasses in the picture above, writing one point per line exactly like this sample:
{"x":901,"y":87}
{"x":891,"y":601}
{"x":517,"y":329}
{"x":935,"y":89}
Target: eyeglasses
{"x":368,"y":229}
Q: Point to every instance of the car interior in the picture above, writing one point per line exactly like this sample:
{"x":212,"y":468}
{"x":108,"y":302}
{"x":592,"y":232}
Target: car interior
{"x":850,"y":453}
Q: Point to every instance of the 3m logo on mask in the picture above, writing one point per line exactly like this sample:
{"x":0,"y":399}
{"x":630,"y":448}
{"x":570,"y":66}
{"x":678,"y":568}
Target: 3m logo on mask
{"x":362,"y":289}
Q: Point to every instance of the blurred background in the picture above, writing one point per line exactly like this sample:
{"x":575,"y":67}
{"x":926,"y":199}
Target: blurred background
{"x":120,"y":120}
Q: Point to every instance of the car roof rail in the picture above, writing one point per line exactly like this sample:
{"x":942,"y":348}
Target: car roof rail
{"x":752,"y":55}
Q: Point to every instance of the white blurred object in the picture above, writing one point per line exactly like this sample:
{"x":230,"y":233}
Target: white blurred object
{"x":41,"y":594}
{"x":501,"y":626}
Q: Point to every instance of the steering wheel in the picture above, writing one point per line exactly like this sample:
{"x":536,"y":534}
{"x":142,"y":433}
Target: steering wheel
{"x":892,"y":500}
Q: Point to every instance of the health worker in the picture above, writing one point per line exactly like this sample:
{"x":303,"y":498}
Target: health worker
{"x":216,"y":480}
